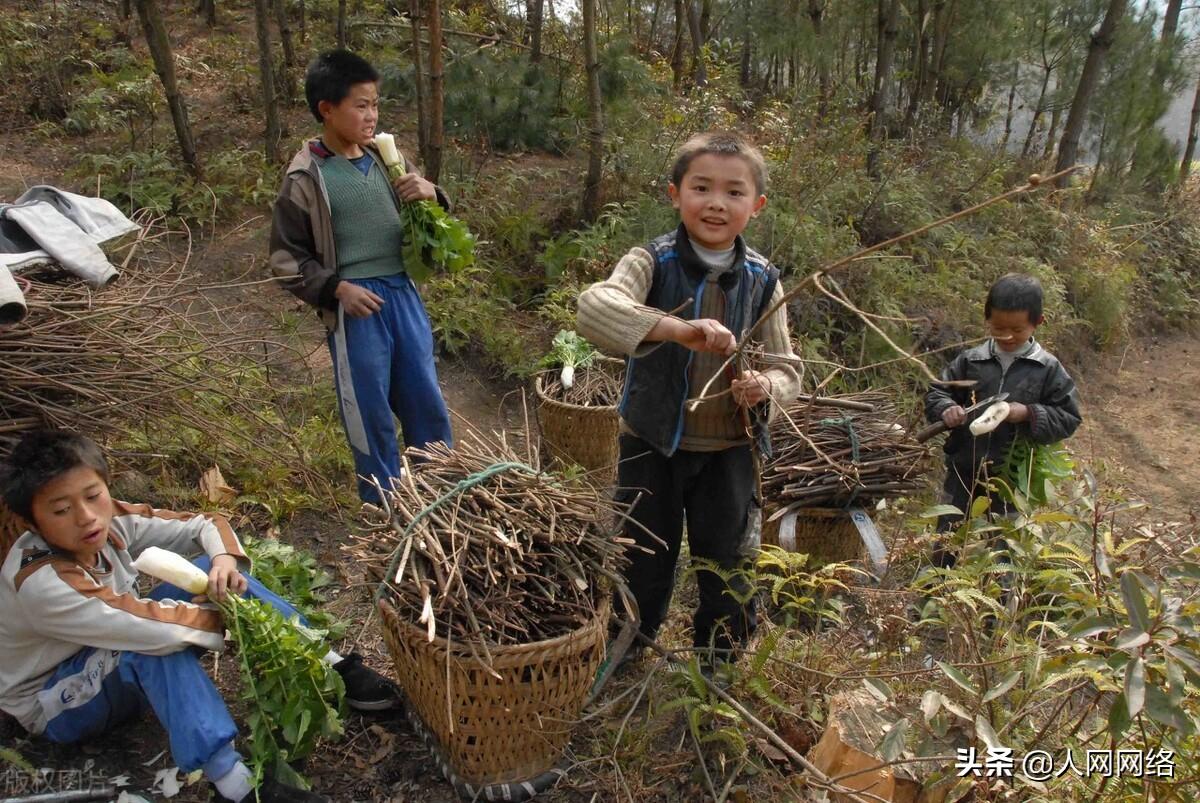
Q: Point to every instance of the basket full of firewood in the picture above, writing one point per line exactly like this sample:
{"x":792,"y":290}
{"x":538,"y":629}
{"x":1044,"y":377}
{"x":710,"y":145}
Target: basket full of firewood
{"x":494,"y":608}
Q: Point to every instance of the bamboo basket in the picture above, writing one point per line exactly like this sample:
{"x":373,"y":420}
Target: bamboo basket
{"x":11,"y":528}
{"x":579,"y":435}
{"x":826,"y":535}
{"x":496,"y":730}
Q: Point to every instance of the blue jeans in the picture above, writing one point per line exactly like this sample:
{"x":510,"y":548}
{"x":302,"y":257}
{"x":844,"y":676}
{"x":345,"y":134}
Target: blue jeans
{"x":95,"y":690}
{"x":383,"y":369}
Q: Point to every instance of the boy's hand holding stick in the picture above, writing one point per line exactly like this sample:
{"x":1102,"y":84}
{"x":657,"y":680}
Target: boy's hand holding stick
{"x":814,"y":278}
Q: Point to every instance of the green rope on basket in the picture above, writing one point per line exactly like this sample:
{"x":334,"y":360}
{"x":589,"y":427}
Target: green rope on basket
{"x":463,"y":485}
{"x":848,"y":423}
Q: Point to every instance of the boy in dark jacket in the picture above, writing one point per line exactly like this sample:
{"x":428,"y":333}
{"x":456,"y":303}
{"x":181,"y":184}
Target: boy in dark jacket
{"x":696,"y":462}
{"x":336,"y":236}
{"x":1044,"y":406}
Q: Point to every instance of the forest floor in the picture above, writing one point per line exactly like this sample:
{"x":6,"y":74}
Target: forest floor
{"x":1138,"y":435}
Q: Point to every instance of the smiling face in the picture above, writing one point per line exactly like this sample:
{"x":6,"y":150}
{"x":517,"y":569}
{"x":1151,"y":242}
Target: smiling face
{"x":716,"y":199}
{"x":1011,"y":328}
{"x":72,"y":512}
{"x":350,"y":124}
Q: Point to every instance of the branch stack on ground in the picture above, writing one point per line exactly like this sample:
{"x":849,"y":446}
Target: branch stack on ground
{"x":826,"y":456}
{"x":486,"y":550}
{"x":138,"y":352}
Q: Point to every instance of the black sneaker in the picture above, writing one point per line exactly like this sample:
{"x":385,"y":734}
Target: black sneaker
{"x":366,"y":689}
{"x":273,"y":791}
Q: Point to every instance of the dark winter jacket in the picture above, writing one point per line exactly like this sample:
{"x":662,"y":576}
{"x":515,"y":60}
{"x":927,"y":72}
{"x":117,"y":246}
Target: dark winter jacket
{"x":1036,"y":379}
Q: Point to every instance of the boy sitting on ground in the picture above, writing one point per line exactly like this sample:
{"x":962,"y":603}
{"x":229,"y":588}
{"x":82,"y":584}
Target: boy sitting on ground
{"x":81,"y":652}
{"x":1043,"y":404}
{"x":674,"y":460}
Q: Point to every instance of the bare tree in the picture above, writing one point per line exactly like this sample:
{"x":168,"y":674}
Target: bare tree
{"x":533,"y":26}
{"x":1068,"y":148}
{"x":209,"y":9}
{"x":888,"y":21}
{"x":816,"y":14}
{"x":288,"y":71}
{"x":677,"y":50}
{"x":414,"y":13}
{"x":591,"y":188}
{"x":699,"y":73}
{"x":433,"y":161}
{"x":341,"y":23}
{"x":164,"y":65}
{"x":267,"y":80}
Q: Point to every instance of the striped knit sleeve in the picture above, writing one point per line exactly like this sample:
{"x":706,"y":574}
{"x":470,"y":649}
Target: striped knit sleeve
{"x":188,"y":534}
{"x":785,"y":379}
{"x":611,"y":314}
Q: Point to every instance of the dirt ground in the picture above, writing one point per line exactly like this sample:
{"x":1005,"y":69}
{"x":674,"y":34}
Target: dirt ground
{"x":1140,"y":428}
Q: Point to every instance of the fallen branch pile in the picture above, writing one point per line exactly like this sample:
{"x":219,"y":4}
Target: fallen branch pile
{"x":483,"y":549}
{"x":827,"y":456}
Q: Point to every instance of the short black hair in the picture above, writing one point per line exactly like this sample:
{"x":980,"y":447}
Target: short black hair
{"x":1013,"y":292}
{"x":330,"y":76}
{"x":722,"y":143}
{"x":39,"y":458}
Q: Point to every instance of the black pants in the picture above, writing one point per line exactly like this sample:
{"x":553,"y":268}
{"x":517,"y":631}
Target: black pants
{"x":715,"y":490}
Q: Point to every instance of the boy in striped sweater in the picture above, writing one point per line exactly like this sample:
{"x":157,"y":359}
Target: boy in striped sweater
{"x":677,"y":308}
{"x":82,"y":652}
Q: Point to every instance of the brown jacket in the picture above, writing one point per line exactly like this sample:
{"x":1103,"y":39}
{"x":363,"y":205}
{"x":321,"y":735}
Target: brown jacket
{"x":303,"y":253}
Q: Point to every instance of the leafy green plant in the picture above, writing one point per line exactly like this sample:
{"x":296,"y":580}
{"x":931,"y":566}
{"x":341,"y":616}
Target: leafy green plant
{"x":570,"y":351}
{"x":434,"y":239}
{"x":1033,"y":469}
{"x":295,"y":575}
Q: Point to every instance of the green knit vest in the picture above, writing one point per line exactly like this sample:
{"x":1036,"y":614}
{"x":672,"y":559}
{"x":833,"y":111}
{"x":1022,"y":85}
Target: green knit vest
{"x":367,"y":231}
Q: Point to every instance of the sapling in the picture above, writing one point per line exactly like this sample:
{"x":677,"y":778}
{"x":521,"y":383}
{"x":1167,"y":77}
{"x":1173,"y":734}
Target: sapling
{"x":295,"y":696}
{"x":432,"y":237}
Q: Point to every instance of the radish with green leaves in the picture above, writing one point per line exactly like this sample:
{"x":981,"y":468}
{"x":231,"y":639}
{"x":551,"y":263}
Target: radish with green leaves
{"x":570,"y":351}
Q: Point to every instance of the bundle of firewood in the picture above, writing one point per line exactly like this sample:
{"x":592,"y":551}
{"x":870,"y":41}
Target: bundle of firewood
{"x":839,"y":451}
{"x":482,"y":548}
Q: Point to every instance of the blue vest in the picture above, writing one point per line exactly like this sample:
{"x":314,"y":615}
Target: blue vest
{"x":656,"y":385}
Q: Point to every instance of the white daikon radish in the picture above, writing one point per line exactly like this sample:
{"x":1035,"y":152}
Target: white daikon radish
{"x":992,"y":417}
{"x":172,"y":568}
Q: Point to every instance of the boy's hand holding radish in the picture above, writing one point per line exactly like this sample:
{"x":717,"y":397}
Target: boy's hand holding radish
{"x":224,"y":578}
{"x":412,"y":187}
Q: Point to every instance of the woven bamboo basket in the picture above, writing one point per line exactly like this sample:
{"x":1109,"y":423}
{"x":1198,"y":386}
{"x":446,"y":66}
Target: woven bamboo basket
{"x":579,"y":435}
{"x":11,"y":528}
{"x":496,"y":730}
{"x":826,"y":535}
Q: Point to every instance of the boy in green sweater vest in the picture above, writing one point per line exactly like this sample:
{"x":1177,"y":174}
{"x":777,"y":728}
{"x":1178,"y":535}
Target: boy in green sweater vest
{"x":336,"y":238}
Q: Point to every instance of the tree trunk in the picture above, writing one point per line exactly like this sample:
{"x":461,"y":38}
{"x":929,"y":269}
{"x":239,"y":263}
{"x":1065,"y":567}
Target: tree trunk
{"x":1102,"y":40}
{"x":816,"y":13}
{"x":533,"y":23}
{"x":652,"y":42}
{"x":744,"y":61}
{"x":1185,"y":166}
{"x":677,"y":51}
{"x":206,"y":7}
{"x":1038,"y":111}
{"x":1052,"y":132}
{"x":433,"y":164}
{"x":341,"y":24}
{"x":920,"y":65}
{"x":889,"y":18}
{"x":699,"y":73}
{"x":590,"y":208}
{"x":705,"y":20}
{"x":414,"y":14}
{"x":125,"y":10}
{"x":941,"y":33}
{"x":1008,"y":116}
{"x":267,"y":76}
{"x":164,"y":65}
{"x":288,"y":73}
{"x":303,"y":22}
